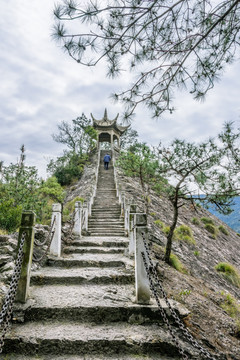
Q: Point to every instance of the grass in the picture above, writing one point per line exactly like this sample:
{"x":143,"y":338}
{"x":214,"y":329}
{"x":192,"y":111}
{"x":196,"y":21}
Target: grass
{"x":162,"y":226}
{"x":195,"y":221}
{"x":229,"y":272}
{"x":176,"y":264}
{"x":211,"y":229}
{"x":231,"y":306}
{"x":184,"y":233}
{"x":196,"y":253}
{"x":206,"y":220}
{"x":223,"y":230}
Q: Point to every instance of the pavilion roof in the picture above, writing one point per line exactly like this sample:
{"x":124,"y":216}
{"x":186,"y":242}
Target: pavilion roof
{"x":107,"y":124}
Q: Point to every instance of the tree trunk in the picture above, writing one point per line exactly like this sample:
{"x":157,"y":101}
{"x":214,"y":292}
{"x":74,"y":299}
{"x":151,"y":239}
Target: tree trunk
{"x":171,"y":232}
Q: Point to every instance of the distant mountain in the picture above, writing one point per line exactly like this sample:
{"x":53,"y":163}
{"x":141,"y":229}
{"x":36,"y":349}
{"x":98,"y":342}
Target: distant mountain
{"x":233,"y":219}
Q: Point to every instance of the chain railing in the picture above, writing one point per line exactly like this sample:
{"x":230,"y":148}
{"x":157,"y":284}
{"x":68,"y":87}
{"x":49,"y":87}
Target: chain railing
{"x":7,"y":308}
{"x":155,"y":284}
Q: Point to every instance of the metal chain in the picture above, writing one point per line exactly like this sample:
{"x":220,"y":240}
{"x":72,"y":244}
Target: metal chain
{"x":153,"y":270}
{"x":7,"y":308}
{"x":162,"y":311}
{"x":49,"y":239}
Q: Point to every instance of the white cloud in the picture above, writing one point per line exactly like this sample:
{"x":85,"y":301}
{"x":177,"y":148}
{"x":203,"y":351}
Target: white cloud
{"x":41,"y":86}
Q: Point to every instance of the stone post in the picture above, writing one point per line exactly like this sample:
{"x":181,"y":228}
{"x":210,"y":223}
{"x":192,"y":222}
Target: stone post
{"x":132,"y":229}
{"x":78,"y":218}
{"x":27,"y":228}
{"x":141,"y":279}
{"x":85,"y":214}
{"x":55,"y":248}
{"x":126,"y":217}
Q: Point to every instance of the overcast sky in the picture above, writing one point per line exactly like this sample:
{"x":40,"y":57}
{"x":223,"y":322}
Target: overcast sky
{"x":41,"y":86}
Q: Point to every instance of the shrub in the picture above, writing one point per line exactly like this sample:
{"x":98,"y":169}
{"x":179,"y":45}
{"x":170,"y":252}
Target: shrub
{"x":10,"y":215}
{"x":196,"y":253}
{"x":195,"y":221}
{"x":212,"y":230}
{"x":207,"y":220}
{"x":223,"y":230}
{"x":176,"y":264}
{"x":162,"y":226}
{"x":184,"y":233}
{"x":231,"y":306}
{"x":229,"y":272}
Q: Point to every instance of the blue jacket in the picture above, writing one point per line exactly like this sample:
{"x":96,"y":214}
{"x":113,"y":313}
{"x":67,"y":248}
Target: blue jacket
{"x":107,"y":158}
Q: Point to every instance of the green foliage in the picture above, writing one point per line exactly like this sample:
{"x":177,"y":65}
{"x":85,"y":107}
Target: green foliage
{"x":182,"y":295}
{"x":205,"y":220}
{"x":21,"y":189}
{"x":184,"y":233}
{"x":10,"y":215}
{"x":211,"y":229}
{"x":67,"y":168}
{"x":162,"y":226}
{"x":176,"y":264}
{"x":154,"y":40}
{"x":196,"y":253}
{"x":232,"y":308}
{"x":195,"y":221}
{"x":223,"y":230}
{"x":229,"y":272}
{"x":79,"y":136}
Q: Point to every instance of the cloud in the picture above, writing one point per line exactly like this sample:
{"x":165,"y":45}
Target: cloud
{"x":41,"y":86}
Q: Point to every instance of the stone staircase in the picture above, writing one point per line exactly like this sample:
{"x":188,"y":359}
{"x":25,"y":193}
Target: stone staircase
{"x":82,"y":305}
{"x":106,"y":217}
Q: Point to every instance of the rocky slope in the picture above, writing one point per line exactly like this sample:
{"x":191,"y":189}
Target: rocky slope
{"x":209,"y":296}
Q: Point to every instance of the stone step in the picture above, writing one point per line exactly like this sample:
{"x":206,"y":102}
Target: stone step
{"x":88,"y":260}
{"x":63,"y":338}
{"x":90,"y":303}
{"x":107,"y":229}
{"x":62,"y":276}
{"x":95,"y":241}
{"x":110,"y":221}
{"x":101,"y":225}
{"x":93,"y":250}
{"x":103,"y":234}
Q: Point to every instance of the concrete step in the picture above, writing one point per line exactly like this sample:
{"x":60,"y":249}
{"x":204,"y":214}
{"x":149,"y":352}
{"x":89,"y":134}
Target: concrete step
{"x":102,"y":234}
{"x":93,"y":250}
{"x":110,"y":221}
{"x":58,"y":338}
{"x":75,"y":276}
{"x":95,"y":241}
{"x":88,"y":260}
{"x":100,"y":225}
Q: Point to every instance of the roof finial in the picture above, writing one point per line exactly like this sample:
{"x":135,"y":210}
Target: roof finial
{"x":105,"y":116}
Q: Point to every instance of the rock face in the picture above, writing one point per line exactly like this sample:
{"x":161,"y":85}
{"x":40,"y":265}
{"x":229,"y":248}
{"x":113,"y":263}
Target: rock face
{"x":82,"y":304}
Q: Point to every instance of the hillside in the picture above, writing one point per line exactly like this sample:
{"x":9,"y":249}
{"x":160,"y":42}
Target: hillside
{"x":213,"y":302}
{"x":205,"y":292}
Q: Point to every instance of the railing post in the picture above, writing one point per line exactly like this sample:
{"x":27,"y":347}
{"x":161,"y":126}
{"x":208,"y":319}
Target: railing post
{"x":55,"y":248}
{"x":126,"y":217}
{"x":27,"y":228}
{"x":141,"y":279}
{"x":132,"y":229}
{"x":78,"y":218}
{"x":85,"y":214}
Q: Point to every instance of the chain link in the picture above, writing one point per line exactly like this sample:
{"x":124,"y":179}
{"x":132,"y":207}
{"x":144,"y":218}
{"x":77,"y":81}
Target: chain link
{"x":40,"y":259}
{"x":152,"y":272}
{"x":7,"y":308}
